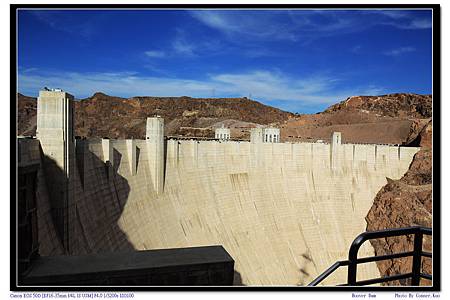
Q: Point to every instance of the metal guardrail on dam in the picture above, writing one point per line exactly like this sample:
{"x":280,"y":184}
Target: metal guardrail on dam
{"x":353,"y":260}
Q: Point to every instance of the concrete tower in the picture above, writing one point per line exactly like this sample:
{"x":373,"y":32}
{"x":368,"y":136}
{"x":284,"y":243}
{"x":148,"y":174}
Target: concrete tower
{"x":55,"y":133}
{"x":256,"y":135}
{"x":334,"y":150}
{"x":155,"y":144}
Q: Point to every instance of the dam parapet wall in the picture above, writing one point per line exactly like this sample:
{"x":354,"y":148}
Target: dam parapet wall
{"x":194,"y":153}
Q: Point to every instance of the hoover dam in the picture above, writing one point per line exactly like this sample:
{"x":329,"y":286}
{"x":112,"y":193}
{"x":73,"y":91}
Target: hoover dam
{"x":284,"y":212}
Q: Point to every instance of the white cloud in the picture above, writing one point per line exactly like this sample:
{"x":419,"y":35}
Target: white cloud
{"x":252,"y":24}
{"x":181,"y":45}
{"x":296,"y":25}
{"x":420,"y":24}
{"x":155,"y":54}
{"x":356,"y":49}
{"x":404,"y":19}
{"x":67,"y":22}
{"x":394,"y":14}
{"x":27,"y":70}
{"x":263,"y":85}
{"x":258,"y":52}
{"x":399,"y":51}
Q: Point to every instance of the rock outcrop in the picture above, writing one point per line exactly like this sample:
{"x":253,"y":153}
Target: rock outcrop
{"x":391,"y":105}
{"x":391,"y":119}
{"x":402,"y":203}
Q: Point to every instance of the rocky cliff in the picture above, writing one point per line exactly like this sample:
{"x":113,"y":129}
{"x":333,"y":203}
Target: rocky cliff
{"x":403,"y":203}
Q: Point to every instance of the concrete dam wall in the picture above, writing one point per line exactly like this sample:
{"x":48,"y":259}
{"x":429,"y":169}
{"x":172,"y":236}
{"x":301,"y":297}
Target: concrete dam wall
{"x":285,"y":212}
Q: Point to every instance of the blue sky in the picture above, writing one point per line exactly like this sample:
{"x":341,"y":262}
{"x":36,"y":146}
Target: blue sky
{"x":297,"y":60}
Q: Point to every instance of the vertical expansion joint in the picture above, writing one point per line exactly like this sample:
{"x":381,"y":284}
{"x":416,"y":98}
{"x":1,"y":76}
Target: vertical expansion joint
{"x":131,"y":149}
{"x":195,"y":151}
{"x":80,"y":159}
{"x":334,"y":150}
{"x":155,"y":145}
{"x":107,"y":152}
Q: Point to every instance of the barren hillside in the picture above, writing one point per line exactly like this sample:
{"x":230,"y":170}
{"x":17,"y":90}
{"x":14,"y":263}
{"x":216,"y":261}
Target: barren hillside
{"x":391,"y":119}
{"x":391,"y":105}
{"x":107,"y":116}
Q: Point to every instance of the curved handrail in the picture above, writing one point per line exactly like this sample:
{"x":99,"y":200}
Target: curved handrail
{"x":368,"y":235}
{"x":353,"y":261}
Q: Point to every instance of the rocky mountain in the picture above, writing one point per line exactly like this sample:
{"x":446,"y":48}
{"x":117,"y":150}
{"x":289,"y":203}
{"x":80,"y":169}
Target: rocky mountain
{"x":107,"y":116}
{"x":26,"y":115}
{"x":391,"y":119}
{"x":391,"y":105}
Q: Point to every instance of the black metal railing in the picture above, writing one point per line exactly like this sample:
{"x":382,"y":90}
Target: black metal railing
{"x":353,"y":260}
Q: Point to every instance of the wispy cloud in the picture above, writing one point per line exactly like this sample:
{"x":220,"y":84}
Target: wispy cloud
{"x":155,"y":54}
{"x":188,"y":45}
{"x":71,"y":22}
{"x":270,"y":87}
{"x":418,"y":24}
{"x":296,"y":25}
{"x":404,"y":19}
{"x":181,"y":45}
{"x":27,"y":70}
{"x":394,"y":14}
{"x":399,"y":51}
{"x":256,"y":52}
{"x":356,"y":49}
{"x":275,"y":85}
{"x":252,"y":24}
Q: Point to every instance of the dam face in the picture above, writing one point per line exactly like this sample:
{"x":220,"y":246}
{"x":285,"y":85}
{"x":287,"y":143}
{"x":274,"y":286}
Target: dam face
{"x":285,"y":212}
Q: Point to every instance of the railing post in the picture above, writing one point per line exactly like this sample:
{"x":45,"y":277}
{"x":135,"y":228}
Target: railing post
{"x":351,"y":279}
{"x":352,"y":258}
{"x":417,"y":258}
